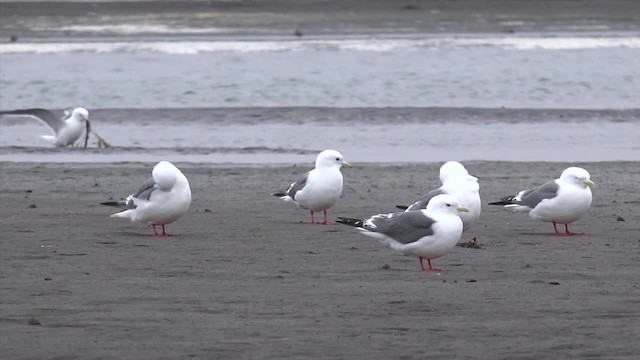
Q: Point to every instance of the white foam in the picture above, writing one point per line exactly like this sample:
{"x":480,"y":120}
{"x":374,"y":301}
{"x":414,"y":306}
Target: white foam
{"x":364,"y":44}
{"x":133,"y":29}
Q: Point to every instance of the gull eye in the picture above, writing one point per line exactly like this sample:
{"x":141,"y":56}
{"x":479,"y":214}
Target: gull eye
{"x":448,"y":204}
{"x":337,"y":159}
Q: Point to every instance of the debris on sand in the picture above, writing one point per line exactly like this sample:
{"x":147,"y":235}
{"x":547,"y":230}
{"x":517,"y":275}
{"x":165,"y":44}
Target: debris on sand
{"x":473,"y":244}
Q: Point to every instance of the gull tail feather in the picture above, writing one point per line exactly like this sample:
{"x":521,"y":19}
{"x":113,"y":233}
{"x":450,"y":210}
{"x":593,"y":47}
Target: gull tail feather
{"x":504,"y":201}
{"x":402,"y":207}
{"x":350,"y":221}
{"x":118,"y":204}
{"x":279,"y":194}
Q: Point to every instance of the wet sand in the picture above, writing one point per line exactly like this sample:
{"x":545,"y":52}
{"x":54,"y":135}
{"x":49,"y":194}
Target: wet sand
{"x":251,"y":279}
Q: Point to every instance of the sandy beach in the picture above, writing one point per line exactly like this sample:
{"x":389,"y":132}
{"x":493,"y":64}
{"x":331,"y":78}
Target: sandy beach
{"x":249,"y":278}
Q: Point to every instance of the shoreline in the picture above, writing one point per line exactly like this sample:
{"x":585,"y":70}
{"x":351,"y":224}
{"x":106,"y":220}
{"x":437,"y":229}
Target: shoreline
{"x":44,"y":19}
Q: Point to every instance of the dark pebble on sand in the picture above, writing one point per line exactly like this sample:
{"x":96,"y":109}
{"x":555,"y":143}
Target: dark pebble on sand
{"x":472,"y":280}
{"x":32,"y":206}
{"x":298,"y":33}
{"x":207,"y":210}
{"x":29,"y":191}
{"x":386,"y":267}
{"x":47,"y":279}
{"x":34,"y":321}
{"x":554,"y":283}
{"x":620,"y":218}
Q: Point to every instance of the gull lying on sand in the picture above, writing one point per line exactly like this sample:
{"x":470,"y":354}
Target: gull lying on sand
{"x":68,"y":128}
{"x":320,"y":188}
{"x":456,"y":181}
{"x":161,"y":200}
{"x":561,"y":201}
{"x":427,"y":234}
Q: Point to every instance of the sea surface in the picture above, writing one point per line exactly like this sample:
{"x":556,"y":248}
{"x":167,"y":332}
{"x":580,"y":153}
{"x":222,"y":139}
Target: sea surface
{"x":377,"y":98}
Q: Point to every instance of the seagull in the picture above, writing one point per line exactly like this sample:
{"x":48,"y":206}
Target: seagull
{"x":561,"y":201}
{"x":68,"y":129}
{"x":427,"y":234}
{"x":456,"y":181}
{"x":320,"y":188}
{"x":161,"y":200}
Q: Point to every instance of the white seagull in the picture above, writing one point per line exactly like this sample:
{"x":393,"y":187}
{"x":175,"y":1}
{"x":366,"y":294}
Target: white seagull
{"x":561,"y":201}
{"x":68,"y":129}
{"x":161,"y":200}
{"x":320,"y":188}
{"x":456,"y":181}
{"x":427,"y":234}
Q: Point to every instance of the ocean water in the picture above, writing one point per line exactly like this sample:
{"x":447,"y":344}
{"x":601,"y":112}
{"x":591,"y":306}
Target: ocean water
{"x":269,"y":99}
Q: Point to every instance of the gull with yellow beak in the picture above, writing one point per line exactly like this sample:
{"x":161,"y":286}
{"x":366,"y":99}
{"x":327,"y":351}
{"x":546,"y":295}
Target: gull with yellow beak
{"x":561,"y":201}
{"x":68,"y":129}
{"x":428,"y":234}
{"x":320,"y":188}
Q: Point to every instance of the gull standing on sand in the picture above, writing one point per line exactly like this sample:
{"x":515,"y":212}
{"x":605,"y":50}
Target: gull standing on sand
{"x":68,"y":129}
{"x":456,"y":181}
{"x":161,"y":200}
{"x":320,"y":188}
{"x":427,"y":234}
{"x":561,"y":201}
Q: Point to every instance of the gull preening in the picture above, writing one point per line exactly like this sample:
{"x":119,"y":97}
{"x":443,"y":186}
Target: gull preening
{"x":427,"y":234}
{"x":67,"y":129}
{"x":561,"y":201}
{"x":320,"y":188}
{"x":455,"y":181}
{"x":161,"y":200}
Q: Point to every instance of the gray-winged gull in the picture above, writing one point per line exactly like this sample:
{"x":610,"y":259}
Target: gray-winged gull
{"x":320,"y":188}
{"x":456,"y":181}
{"x":161,"y":200}
{"x":68,"y":129}
{"x":561,"y":201}
{"x":427,"y":234}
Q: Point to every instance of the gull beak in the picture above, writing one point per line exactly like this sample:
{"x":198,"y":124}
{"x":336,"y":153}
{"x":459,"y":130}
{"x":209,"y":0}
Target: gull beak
{"x":346,"y":165}
{"x":463,"y":209}
{"x":590,"y":183}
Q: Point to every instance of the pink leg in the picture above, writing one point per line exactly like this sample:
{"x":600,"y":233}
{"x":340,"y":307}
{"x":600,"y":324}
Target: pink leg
{"x":164,"y":233}
{"x":326,"y":221}
{"x":566,"y":231}
{"x":432,"y":268}
{"x":156,"y":233}
{"x":421,"y":264}
{"x":558,"y":233}
{"x":313,"y":221}
{"x":569,"y":233}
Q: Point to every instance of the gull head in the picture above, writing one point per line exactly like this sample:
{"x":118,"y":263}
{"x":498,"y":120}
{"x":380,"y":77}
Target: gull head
{"x":452,"y":169}
{"x":446,"y":203}
{"x":577,"y":176}
{"x":331,"y":158}
{"x":165,"y":175}
{"x":81,"y":114}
